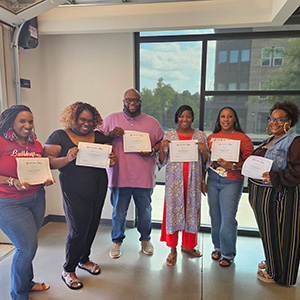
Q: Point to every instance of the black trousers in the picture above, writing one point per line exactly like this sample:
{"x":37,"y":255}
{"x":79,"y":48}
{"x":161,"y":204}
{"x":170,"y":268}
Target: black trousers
{"x":83,"y":199}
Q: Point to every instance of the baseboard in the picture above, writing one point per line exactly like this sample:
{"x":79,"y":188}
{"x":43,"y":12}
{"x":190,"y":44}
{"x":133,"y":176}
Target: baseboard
{"x":62,"y":219}
{"x":155,"y":225}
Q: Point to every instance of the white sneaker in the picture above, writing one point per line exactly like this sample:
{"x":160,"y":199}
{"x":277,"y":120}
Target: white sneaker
{"x":147,"y":247}
{"x":114,"y":251}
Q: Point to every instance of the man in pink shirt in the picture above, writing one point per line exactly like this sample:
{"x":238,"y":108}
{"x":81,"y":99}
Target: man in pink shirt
{"x":133,"y":175}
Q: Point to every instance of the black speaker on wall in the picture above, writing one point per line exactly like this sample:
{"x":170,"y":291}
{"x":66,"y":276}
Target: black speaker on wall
{"x":29,"y":37}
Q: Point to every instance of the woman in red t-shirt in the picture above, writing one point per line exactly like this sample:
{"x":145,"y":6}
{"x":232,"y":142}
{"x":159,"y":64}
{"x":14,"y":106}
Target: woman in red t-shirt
{"x":22,"y":206}
{"x":225,"y":185}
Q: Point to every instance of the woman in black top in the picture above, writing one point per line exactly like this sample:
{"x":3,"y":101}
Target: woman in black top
{"x":83,"y":188}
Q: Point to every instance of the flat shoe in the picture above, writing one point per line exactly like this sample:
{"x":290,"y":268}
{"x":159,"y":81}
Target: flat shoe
{"x":264,"y":276}
{"x":171,"y":259}
{"x":216,"y":255}
{"x":262,"y":265}
{"x":225,"y":262}
{"x":67,"y":279}
{"x":94,"y":270}
{"x":40,"y":287}
{"x":193,"y":252}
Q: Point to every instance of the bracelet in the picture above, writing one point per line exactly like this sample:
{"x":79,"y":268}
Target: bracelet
{"x":10,"y":181}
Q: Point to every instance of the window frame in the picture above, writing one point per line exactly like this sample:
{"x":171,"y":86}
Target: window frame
{"x":204,"y":92}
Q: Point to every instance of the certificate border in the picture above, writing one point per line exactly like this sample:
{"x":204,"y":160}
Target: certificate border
{"x":136,"y":151}
{"x":91,"y":165}
{"x":182,"y":142}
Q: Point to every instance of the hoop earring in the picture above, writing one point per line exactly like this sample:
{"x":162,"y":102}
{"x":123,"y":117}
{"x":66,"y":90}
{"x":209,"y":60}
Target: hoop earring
{"x":267,"y":131}
{"x":284,"y":127}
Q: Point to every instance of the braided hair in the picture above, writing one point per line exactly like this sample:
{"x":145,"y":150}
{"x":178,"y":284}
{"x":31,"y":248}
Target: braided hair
{"x":9,"y":115}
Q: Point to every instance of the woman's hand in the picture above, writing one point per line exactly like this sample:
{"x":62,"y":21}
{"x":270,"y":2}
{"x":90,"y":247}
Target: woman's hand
{"x":201,"y":146}
{"x":164,"y":144}
{"x":49,"y":182}
{"x":20,"y":186}
{"x":203,"y":187}
{"x":72,"y":153}
{"x":266,"y":177}
{"x":225,"y":164}
{"x":113,"y":159}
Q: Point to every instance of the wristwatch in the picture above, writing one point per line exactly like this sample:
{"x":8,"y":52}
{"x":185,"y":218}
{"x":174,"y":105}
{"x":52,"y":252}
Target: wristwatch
{"x":234,"y":166}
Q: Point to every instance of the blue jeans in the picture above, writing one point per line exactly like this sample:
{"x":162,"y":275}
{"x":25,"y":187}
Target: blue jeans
{"x":120,"y":199}
{"x":21,"y":220}
{"x":223,"y":200}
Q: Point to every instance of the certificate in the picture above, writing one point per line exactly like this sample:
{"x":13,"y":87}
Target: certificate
{"x":183,"y":151}
{"x":228,"y":150}
{"x":93,"y":155}
{"x":255,"y":166}
{"x":35,"y":170}
{"x":136,"y":141}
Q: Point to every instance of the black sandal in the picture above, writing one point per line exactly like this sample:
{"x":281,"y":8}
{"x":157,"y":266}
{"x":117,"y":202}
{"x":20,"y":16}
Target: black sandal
{"x":216,"y":255}
{"x":227,"y":261}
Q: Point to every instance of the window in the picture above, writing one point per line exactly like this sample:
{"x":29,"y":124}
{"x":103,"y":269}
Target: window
{"x":232,"y":86}
{"x":244,"y":86}
{"x":266,"y":56}
{"x":277,"y":58}
{"x":272,"y":56}
{"x":221,"y":87}
{"x":263,"y":86}
{"x":170,"y":75}
{"x":222,"y":57}
{"x":234,"y":56}
{"x":245,"y":57}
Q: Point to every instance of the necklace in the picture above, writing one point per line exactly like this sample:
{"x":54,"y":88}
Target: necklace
{"x":25,"y":144}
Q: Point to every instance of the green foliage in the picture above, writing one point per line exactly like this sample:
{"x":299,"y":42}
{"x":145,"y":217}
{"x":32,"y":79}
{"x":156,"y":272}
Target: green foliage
{"x":163,"y":101}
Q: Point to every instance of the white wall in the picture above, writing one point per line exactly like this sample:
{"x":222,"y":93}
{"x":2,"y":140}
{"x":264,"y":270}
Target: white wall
{"x":94,"y":68}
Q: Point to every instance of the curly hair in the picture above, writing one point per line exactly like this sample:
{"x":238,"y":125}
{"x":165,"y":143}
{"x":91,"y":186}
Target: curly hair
{"x":9,"y":115}
{"x":290,"y":108}
{"x":69,"y":116}
{"x":237,"y":125}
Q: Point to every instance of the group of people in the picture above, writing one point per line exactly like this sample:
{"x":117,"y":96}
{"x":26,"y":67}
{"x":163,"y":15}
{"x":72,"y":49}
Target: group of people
{"x":275,"y":199}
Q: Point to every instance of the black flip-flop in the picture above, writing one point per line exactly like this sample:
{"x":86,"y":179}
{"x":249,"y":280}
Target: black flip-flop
{"x":70,"y":282}
{"x":216,"y":255}
{"x":227,"y":260}
{"x":80,"y":266}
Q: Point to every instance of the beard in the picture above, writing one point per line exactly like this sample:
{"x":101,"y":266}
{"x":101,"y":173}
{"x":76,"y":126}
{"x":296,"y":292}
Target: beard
{"x":132,"y":114}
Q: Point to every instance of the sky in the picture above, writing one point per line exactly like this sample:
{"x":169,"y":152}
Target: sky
{"x":178,"y":63}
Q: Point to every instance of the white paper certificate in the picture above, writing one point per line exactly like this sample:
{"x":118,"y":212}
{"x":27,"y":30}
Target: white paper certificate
{"x":255,"y":166}
{"x":35,"y":170}
{"x":136,"y":141}
{"x":93,"y":155}
{"x":228,"y":150}
{"x":183,"y":151}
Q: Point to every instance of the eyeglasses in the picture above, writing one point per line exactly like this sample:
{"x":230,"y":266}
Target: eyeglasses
{"x":278,"y":120}
{"x":135,"y":100}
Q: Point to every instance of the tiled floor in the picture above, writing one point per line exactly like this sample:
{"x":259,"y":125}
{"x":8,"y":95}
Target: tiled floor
{"x":136,"y":276}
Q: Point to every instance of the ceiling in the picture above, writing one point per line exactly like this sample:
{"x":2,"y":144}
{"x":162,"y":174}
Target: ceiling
{"x":81,"y":16}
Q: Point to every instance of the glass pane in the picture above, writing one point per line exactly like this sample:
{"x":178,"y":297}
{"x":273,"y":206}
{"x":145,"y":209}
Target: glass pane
{"x":247,"y":63}
{"x":170,"y":77}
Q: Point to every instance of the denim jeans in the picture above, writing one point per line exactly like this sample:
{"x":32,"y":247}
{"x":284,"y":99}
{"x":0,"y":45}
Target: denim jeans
{"x":223,"y":200}
{"x":120,"y":199}
{"x":21,"y":220}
